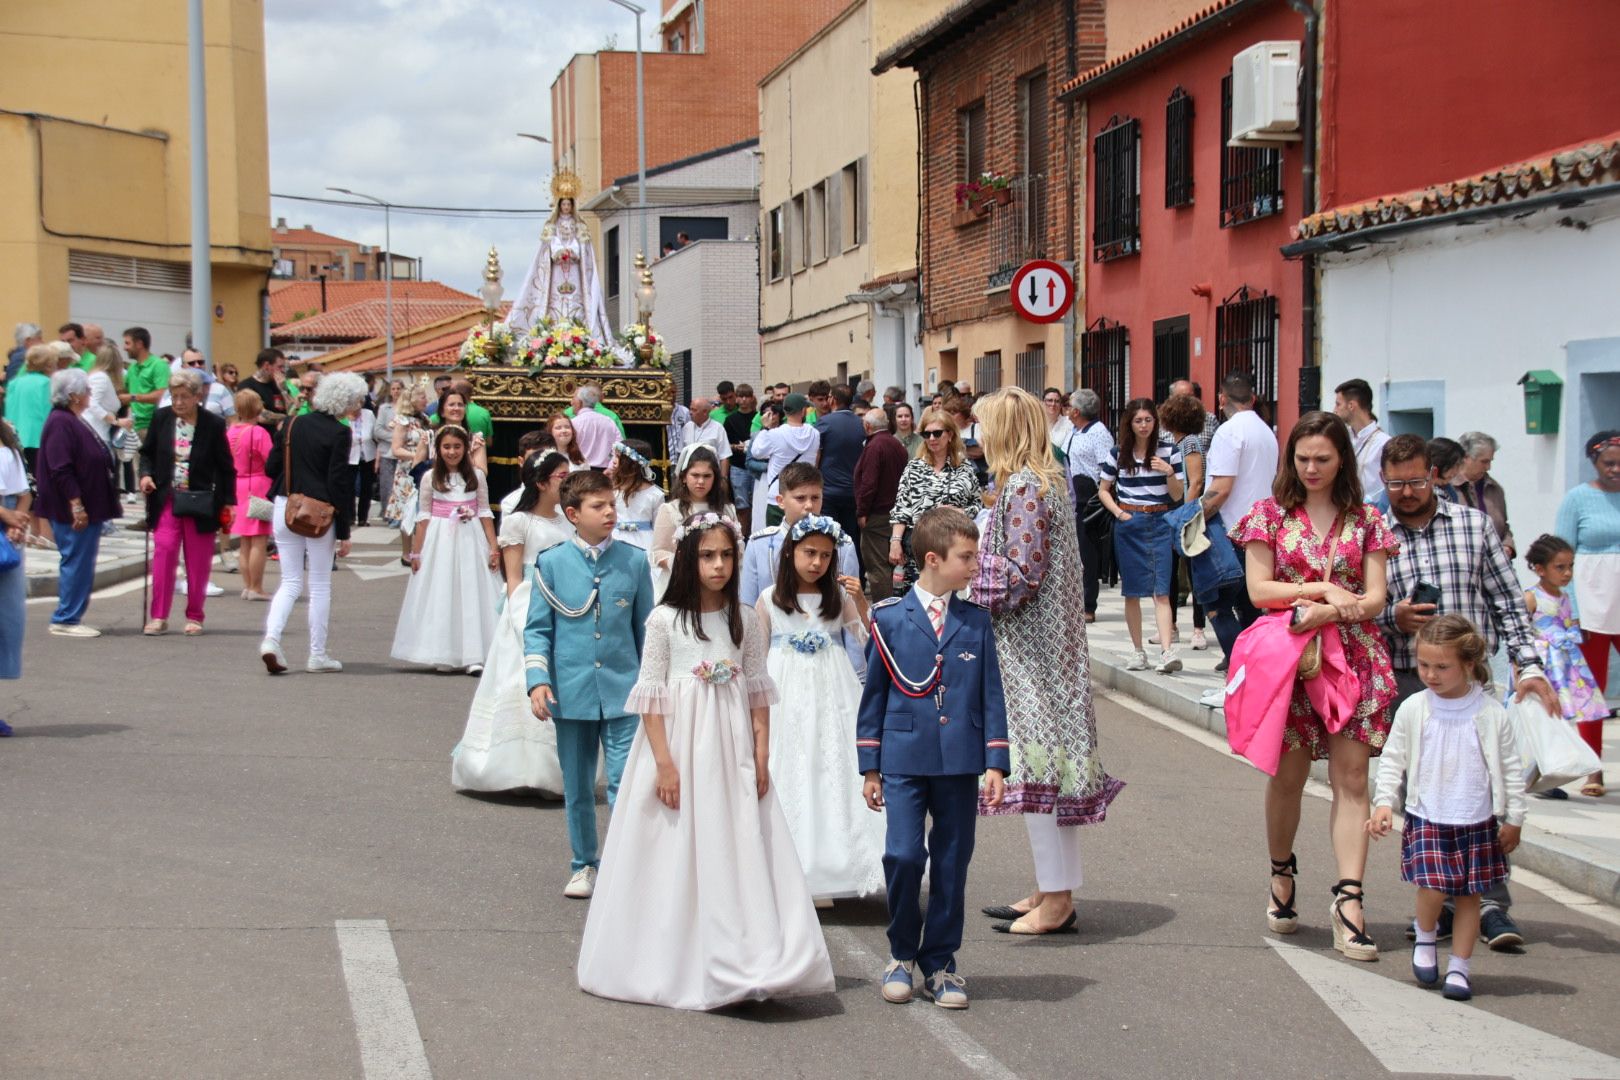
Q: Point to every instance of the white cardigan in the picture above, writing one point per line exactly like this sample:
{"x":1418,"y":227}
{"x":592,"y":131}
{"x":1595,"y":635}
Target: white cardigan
{"x":1399,"y":761}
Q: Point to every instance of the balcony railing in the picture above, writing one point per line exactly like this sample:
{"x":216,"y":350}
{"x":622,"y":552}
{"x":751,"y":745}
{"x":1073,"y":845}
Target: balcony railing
{"x":1018,"y":229}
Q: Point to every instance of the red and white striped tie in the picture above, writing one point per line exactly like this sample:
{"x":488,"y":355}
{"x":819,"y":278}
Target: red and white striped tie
{"x":936,"y":615}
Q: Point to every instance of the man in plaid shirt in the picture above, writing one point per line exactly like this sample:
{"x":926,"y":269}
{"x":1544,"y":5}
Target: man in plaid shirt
{"x":1456,"y":548}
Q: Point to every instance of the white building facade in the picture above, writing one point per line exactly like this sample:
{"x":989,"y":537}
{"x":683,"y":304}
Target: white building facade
{"x":707,"y":311}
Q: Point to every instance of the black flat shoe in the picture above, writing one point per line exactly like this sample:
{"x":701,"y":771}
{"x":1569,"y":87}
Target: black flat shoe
{"x":1004,"y":911}
{"x":1066,"y":927}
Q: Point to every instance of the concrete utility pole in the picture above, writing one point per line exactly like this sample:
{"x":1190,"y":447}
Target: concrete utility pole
{"x":202,"y":274}
{"x":641,"y":126}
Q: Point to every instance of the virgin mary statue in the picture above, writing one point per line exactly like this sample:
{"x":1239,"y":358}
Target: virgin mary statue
{"x":562,"y":284}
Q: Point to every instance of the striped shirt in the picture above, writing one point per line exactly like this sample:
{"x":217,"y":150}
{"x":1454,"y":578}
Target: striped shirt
{"x":1142,"y":486}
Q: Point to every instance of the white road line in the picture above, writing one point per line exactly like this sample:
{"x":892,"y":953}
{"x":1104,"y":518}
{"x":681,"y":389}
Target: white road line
{"x":390,"y":1042}
{"x":976,"y":1058}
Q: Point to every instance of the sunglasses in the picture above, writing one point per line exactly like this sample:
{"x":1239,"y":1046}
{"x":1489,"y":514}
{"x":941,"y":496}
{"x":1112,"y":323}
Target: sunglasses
{"x":196,"y":363}
{"x":935,"y":434}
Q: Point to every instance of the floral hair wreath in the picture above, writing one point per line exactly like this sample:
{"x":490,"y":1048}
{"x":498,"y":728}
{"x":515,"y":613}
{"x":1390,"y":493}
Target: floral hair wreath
{"x":452,"y":429}
{"x":817,"y":523}
{"x":646,"y":466}
{"x":704,"y":522}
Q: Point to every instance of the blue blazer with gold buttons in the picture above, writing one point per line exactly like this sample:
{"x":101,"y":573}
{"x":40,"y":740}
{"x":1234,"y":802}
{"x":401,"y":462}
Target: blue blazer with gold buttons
{"x":587,"y":621}
{"x":957,"y":724}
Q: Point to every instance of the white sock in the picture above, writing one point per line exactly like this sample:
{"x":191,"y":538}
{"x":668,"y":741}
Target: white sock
{"x":1457,"y":966}
{"x":1423,"y":950}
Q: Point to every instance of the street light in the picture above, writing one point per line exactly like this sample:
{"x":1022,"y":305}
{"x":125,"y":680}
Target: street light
{"x":490,"y":290}
{"x":388,"y":267}
{"x":641,"y":124}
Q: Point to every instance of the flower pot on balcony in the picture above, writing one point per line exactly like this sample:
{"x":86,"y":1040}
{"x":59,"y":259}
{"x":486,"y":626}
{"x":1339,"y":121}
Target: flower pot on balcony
{"x":1004,"y":196}
{"x":982,"y":208}
{"x":963,"y":216}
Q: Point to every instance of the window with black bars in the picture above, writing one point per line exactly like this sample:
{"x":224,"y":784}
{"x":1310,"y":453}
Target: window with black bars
{"x":1251,"y":176}
{"x":1172,"y":359}
{"x":1178,"y":150}
{"x":1116,"y":228}
{"x":987,"y":372}
{"x":1029,"y":369}
{"x":1246,"y":341}
{"x":1105,"y":365}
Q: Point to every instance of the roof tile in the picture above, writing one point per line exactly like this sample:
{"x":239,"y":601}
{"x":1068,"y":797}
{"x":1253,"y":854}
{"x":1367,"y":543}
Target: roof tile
{"x":294,"y":298}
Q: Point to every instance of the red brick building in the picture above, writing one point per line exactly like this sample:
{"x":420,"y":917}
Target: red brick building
{"x":987,"y":73}
{"x":307,"y":254}
{"x":1181,"y":236}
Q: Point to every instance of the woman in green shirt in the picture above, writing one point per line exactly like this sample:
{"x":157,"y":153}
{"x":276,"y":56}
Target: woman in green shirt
{"x":28,"y":399}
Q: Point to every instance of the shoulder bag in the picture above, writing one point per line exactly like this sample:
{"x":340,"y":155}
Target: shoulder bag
{"x":305,"y":516}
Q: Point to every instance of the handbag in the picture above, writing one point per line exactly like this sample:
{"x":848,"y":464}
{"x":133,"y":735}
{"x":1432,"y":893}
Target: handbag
{"x":261,"y":509}
{"x":306,"y":516}
{"x":10,"y":557}
{"x":196,"y":503}
{"x":1310,"y":661}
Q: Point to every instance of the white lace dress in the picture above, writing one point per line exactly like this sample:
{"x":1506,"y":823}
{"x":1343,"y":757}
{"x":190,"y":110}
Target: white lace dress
{"x":703,"y":906}
{"x":505,"y":746}
{"x":813,"y":762}
{"x":448,"y":617}
{"x":635,"y":521}
{"x":661,"y":555}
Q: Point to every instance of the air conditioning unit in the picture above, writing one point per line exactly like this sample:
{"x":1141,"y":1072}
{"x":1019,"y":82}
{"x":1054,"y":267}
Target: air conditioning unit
{"x":1265,"y":94}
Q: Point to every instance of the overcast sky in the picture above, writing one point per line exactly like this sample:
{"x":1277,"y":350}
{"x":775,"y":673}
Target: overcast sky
{"x":418,"y":101}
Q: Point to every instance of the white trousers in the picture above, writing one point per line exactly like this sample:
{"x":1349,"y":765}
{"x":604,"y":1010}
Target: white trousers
{"x":1057,"y":853}
{"x":293,"y":549}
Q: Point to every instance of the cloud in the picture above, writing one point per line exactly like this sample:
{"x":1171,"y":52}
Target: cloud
{"x":418,"y":101}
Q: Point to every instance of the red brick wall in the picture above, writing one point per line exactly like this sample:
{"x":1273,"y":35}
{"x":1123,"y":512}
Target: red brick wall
{"x":987,"y":64}
{"x":702,"y":101}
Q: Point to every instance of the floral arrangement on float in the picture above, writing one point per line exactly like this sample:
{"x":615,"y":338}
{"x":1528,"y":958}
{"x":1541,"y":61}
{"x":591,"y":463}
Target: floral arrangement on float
{"x":645,"y":345}
{"x":565,"y":344}
{"x":494,"y":343}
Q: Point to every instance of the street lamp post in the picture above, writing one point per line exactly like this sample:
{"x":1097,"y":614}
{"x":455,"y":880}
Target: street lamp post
{"x":388,"y":268}
{"x":641,"y":124}
{"x":202,"y":273}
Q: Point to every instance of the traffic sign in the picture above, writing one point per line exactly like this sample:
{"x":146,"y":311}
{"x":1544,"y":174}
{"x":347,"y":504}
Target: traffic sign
{"x":1042,"y":291}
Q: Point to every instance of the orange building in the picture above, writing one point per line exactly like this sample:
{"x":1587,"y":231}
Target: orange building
{"x":701,"y":89}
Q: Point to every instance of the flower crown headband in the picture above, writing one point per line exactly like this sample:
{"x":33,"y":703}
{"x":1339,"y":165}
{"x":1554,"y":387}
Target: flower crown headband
{"x":646,"y":466}
{"x":453,"y":429}
{"x":703,"y":523}
{"x":817,"y":523}
{"x":1595,"y":451}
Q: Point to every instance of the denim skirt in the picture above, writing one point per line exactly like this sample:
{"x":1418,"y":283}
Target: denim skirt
{"x":1142,"y":548}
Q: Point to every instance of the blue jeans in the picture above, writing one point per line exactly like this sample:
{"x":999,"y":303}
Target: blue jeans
{"x":953,"y":803}
{"x":78,"y":573}
{"x":577,"y":744}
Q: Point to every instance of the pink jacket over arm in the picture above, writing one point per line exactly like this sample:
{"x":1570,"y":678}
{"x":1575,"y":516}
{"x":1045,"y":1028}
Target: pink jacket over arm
{"x":1264,"y":667}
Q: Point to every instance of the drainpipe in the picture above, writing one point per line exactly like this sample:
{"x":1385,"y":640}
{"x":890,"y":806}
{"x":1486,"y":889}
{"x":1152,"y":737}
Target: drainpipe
{"x":1310,"y":370}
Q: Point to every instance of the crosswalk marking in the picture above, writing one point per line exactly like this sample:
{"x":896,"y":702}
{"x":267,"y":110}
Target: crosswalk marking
{"x":390,"y":1042}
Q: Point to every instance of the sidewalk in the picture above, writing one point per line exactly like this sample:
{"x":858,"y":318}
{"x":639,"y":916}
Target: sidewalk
{"x":120,"y":558}
{"x":1575,"y":842}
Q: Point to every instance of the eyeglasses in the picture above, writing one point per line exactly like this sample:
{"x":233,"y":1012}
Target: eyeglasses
{"x":1406,"y":485}
{"x":196,"y":363}
{"x":1054,"y":401}
{"x":935,"y":434}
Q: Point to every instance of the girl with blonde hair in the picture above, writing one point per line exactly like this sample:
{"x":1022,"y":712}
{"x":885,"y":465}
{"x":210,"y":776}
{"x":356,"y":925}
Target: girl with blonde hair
{"x":1029,"y":578}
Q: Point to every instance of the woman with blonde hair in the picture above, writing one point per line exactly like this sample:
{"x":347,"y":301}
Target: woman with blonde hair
{"x":1029,"y":579}
{"x":940,"y":475}
{"x":107,"y":394}
{"x":250,"y":445}
{"x":408,"y":446}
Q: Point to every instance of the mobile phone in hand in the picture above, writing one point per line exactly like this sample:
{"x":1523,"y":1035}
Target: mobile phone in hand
{"x":1425,"y":593}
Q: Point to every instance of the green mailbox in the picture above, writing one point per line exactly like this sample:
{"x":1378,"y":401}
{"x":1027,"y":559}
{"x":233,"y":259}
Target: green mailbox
{"x":1543,"y":393}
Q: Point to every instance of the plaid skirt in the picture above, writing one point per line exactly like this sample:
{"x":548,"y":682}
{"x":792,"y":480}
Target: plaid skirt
{"x":1458,"y":860}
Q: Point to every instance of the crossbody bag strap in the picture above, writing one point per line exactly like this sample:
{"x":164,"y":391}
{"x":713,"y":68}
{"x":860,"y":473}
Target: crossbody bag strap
{"x":288,"y":470}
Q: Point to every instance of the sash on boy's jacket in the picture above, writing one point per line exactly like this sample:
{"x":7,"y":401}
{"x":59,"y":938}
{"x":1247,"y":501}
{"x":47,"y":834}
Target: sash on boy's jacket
{"x":589,"y":652}
{"x":957,"y":723}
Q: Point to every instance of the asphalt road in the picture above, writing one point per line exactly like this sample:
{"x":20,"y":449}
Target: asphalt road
{"x":180,"y":836}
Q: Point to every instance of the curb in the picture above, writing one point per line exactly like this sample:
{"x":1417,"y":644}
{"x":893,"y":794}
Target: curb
{"x":112,"y":572}
{"x":1569,"y":862}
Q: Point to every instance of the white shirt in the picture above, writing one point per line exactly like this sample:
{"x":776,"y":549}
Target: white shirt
{"x":713,"y":433}
{"x":1245,"y":449}
{"x":13,"y":476}
{"x":509,"y":501}
{"x":1062,"y":428}
{"x":782,"y":446}
{"x":1369,"y":443}
{"x":104,"y":404}
{"x":361,"y":448}
{"x":924,"y":597}
{"x":1452,"y":786}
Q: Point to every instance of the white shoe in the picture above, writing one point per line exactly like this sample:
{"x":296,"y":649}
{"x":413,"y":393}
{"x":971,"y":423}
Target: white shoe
{"x":1199,"y":642}
{"x":180,"y":587}
{"x":1213,"y":699}
{"x":74,"y":630}
{"x":1175,"y":637}
{"x":1169,"y":662}
{"x":581,"y":885}
{"x":270,"y":652}
{"x":475,"y":669}
{"x":213,"y":590}
{"x":896,"y":982}
{"x":318,"y":664}
{"x":1137,"y":661}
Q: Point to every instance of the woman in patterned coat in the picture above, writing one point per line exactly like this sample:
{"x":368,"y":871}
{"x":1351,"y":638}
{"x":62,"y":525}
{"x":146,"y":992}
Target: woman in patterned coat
{"x":1029,"y":577}
{"x":939,"y":475}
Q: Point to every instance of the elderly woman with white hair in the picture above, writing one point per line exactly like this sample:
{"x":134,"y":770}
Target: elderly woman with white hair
{"x":188,"y":477}
{"x":1478,"y":489}
{"x":309,"y":464}
{"x":73,"y":472}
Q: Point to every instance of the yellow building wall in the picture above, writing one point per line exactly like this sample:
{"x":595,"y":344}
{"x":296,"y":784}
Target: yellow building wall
{"x":814,"y":348}
{"x":894,"y":136}
{"x":952,"y":358}
{"x":106,"y":169}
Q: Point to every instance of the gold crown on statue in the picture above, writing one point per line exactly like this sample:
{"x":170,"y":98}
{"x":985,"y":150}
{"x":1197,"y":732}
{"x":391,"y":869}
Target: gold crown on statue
{"x":565,"y":184}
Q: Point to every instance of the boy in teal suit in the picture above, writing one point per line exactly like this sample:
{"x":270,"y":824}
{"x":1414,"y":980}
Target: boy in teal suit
{"x":582,"y":654}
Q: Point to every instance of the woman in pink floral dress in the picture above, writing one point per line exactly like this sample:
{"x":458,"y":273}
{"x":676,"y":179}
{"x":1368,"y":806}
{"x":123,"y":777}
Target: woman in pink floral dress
{"x":1317,"y":494}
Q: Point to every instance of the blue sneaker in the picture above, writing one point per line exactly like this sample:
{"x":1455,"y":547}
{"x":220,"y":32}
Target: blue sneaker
{"x":946,"y":989}
{"x":5,"y":729}
{"x":897,"y":981}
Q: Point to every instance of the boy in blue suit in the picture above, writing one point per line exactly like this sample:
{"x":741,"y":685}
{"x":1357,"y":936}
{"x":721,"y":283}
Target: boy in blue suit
{"x":582,"y":654}
{"x":932,"y":719}
{"x":799,"y":492}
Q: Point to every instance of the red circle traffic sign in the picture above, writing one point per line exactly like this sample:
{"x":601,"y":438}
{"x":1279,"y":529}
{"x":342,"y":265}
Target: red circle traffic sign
{"x":1042,"y":291}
